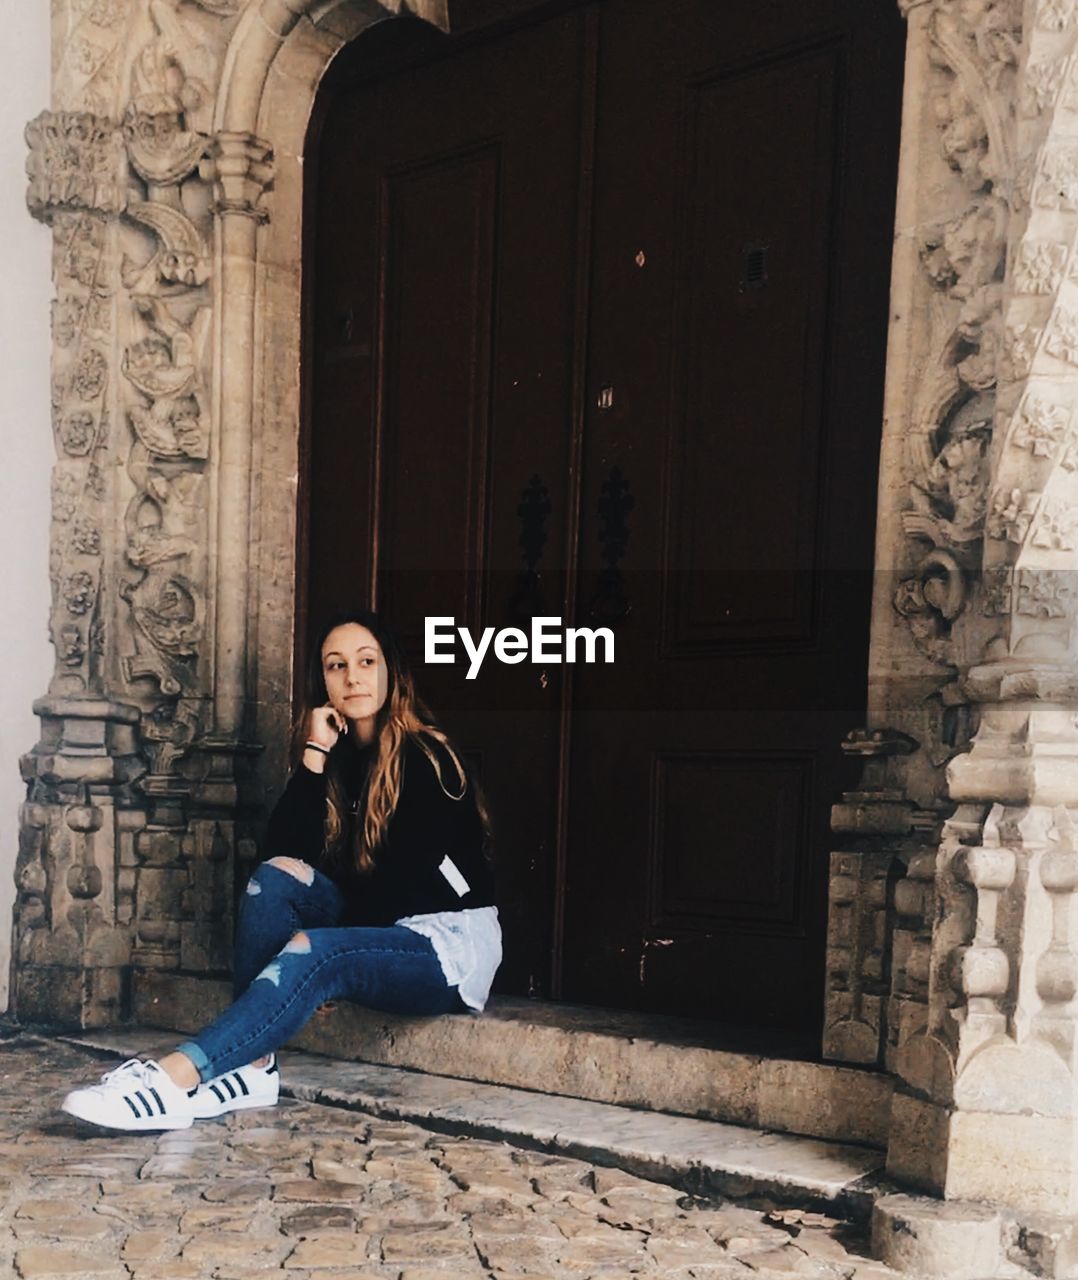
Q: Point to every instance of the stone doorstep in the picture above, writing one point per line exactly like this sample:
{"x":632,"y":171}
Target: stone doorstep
{"x":704,"y":1157}
{"x":643,"y":1061}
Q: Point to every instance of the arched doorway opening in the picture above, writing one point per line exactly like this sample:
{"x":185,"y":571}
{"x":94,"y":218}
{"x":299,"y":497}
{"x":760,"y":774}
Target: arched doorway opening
{"x":596,"y":315}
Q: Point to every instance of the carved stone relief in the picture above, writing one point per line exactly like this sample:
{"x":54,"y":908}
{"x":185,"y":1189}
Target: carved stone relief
{"x":114,"y":169}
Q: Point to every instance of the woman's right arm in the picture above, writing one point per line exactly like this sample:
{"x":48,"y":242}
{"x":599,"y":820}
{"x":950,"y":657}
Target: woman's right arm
{"x":297,"y":824}
{"x":296,"y":827}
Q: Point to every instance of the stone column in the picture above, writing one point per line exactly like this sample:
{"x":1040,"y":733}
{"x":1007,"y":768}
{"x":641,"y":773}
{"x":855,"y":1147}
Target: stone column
{"x":986,"y":1103}
{"x":240,"y":167}
{"x":953,"y":210}
{"x":130,"y":833}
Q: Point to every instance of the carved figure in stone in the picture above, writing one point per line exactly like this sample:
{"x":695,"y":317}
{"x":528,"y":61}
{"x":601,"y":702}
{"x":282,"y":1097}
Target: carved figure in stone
{"x":164,"y":367}
{"x":977,"y":346}
{"x":963,"y":136}
{"x":170,"y":83}
{"x":930,"y":601}
{"x":167,"y":608}
{"x":968,"y":252}
{"x":152,"y":519}
{"x":950,"y":495}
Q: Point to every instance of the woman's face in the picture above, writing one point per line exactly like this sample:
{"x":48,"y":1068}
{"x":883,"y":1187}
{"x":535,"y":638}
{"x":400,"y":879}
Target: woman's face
{"x":355,"y":672}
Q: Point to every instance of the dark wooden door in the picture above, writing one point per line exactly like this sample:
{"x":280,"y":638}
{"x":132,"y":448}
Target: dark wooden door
{"x":739,"y":293}
{"x":680,"y":211}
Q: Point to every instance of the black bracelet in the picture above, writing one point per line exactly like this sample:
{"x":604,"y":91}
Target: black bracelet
{"x":317,"y":746}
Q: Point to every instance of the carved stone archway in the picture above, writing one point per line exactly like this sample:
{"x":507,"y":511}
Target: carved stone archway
{"x":169,"y":167}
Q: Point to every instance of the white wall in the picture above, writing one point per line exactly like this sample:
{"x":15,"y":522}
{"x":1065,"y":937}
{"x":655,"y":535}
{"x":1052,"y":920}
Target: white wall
{"x":25,"y":431}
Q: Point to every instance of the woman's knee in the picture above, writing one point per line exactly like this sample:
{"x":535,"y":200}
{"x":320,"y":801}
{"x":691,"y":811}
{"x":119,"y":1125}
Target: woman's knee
{"x":293,"y":868}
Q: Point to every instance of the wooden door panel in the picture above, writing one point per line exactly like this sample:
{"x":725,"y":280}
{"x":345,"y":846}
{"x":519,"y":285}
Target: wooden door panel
{"x":749,"y":337}
{"x":705,"y":762}
{"x":752,"y":809}
{"x":437,"y":330}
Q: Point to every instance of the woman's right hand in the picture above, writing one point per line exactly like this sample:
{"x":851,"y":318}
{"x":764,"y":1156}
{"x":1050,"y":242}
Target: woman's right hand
{"x":324,"y":726}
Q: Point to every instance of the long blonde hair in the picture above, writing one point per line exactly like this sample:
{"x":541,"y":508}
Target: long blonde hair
{"x":403,"y":716}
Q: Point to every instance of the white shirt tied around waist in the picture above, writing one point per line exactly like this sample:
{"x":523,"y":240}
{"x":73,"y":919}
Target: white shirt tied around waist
{"x":468,"y":945}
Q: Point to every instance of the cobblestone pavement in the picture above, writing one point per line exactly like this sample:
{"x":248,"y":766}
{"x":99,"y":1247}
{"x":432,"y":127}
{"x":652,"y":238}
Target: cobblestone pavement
{"x":315,"y":1193}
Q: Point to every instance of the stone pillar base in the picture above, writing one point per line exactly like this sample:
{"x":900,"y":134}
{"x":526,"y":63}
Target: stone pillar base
{"x":78,"y":999}
{"x":968,"y":1240}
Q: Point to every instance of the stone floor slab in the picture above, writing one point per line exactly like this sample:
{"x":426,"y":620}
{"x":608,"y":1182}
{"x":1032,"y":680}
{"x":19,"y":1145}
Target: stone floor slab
{"x":222,"y":1203}
{"x":701,"y":1155}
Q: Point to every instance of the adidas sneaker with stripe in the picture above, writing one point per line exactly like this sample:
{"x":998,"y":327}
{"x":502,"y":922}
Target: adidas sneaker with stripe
{"x":239,"y":1090}
{"x":137,"y":1095}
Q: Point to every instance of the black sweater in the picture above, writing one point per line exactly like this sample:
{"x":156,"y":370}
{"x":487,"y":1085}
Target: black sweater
{"x":426,"y":827}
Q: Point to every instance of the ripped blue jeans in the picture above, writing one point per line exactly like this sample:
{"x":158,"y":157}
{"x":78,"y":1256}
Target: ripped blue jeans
{"x":280,"y":979}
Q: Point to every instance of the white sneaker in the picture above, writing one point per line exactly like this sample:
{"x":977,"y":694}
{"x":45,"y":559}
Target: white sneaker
{"x":239,"y":1090}
{"x":136,"y":1095}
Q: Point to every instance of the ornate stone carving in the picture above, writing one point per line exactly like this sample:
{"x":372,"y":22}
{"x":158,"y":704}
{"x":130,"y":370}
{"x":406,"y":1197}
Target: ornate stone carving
{"x":241,"y":168}
{"x":1040,"y":426}
{"x":1056,"y":15}
{"x":90,"y":374}
{"x":86,"y":538}
{"x":858,"y":956}
{"x":1056,"y":186}
{"x":1020,"y":342}
{"x":77,"y":433}
{"x":75,"y":162}
{"x":1040,"y":86}
{"x":1012,"y":514}
{"x":165,"y":368}
{"x":65,"y":495}
{"x":1039,"y":266}
{"x":170,"y":82}
{"x":79,"y":593}
{"x":1056,"y":527}
{"x":181,"y":257}
{"x":1061,"y":339}
{"x":949,"y":494}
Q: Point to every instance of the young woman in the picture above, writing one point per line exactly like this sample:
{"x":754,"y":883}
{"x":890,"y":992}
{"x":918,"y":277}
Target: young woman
{"x":375,"y":888}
